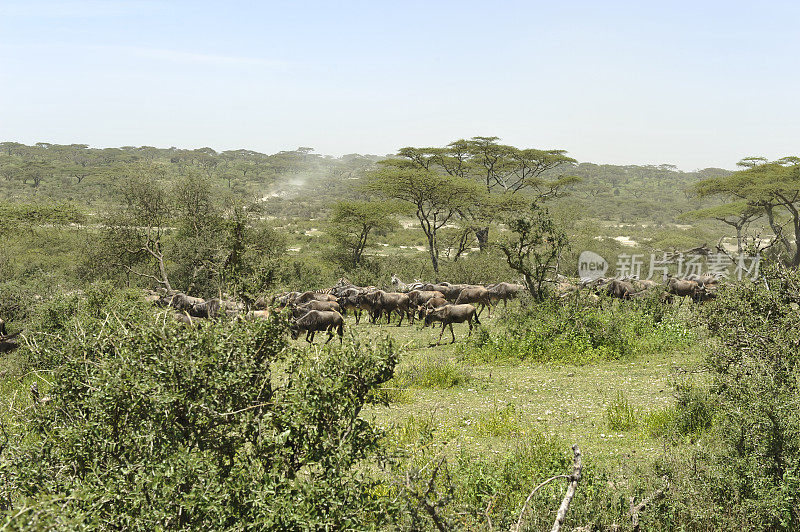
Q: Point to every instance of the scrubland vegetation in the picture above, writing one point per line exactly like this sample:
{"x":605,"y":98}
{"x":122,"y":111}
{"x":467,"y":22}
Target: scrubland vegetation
{"x":115,"y":415}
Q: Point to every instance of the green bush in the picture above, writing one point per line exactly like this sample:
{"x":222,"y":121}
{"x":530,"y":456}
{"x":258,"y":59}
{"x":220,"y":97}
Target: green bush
{"x":149,"y":424}
{"x":578,"y":333}
{"x":745,"y":475}
{"x":695,"y":409}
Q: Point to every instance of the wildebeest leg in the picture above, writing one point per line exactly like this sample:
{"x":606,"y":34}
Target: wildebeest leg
{"x":310,"y":336}
{"x":451,"y":332}
{"x":330,"y":334}
{"x":357,"y":314}
{"x":440,"y":335}
{"x":469,"y":322}
{"x":400,"y":312}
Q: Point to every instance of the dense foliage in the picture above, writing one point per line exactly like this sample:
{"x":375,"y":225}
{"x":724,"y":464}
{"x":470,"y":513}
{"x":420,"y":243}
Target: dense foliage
{"x":581,"y":333}
{"x":146,"y":424}
{"x":756,"y":463}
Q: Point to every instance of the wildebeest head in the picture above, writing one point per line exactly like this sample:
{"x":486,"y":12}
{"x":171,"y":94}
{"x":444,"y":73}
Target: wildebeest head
{"x":294,"y":330}
{"x":431,"y":315}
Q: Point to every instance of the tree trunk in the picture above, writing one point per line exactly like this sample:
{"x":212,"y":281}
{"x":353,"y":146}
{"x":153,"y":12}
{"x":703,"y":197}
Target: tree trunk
{"x":482,"y":234}
{"x":739,"y":239}
{"x":778,"y":230}
{"x":434,"y":257}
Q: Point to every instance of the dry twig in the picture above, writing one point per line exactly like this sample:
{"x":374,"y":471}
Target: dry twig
{"x":573,"y":485}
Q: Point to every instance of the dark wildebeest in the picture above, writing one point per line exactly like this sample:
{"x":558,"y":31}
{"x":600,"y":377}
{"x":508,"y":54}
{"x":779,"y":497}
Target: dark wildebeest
{"x":281,"y":300}
{"x":619,"y":289}
{"x":368,"y":301}
{"x":350,"y":302}
{"x":450,"y":314}
{"x":450,"y":291}
{"x":431,"y":304}
{"x":645,"y":284}
{"x":206,"y":309}
{"x":321,"y":305}
{"x":181,"y":302}
{"x":305,"y":297}
{"x":388,"y":302}
{"x":318,"y":320}
{"x":503,"y":292}
{"x":664,"y":297}
{"x":419,"y":297}
{"x":683,"y":288}
{"x":342,"y":286}
{"x":478,"y":295}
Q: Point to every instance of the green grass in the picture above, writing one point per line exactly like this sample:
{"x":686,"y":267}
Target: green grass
{"x":469,"y":403}
{"x":433,"y":372}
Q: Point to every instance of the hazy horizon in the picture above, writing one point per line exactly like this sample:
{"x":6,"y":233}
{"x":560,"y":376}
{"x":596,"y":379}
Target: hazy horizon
{"x":617,"y":83}
{"x":337,"y":155}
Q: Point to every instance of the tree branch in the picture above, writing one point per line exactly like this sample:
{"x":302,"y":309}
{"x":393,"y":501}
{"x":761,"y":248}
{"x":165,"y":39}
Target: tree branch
{"x":518,"y":526}
{"x":573,"y":486}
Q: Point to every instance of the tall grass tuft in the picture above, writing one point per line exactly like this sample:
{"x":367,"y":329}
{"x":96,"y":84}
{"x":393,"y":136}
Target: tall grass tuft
{"x":620,"y":415}
{"x":433,"y":372}
{"x":504,"y":421}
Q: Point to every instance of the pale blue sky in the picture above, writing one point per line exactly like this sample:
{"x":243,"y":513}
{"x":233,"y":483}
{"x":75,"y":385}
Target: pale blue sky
{"x":691,"y":83}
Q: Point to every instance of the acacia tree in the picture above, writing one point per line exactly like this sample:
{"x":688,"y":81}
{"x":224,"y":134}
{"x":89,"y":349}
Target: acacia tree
{"x":738,"y":215}
{"x":354,"y":220}
{"x":134,"y":236}
{"x":534,"y":248}
{"x":9,"y":167}
{"x":435,"y":198}
{"x":772,"y":188}
{"x":498,"y":168}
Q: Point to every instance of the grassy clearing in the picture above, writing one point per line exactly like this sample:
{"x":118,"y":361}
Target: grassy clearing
{"x":458,"y":403}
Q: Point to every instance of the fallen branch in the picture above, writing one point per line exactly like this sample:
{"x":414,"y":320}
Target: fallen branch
{"x":573,"y":485}
{"x":634,"y":512}
{"x":518,"y":527}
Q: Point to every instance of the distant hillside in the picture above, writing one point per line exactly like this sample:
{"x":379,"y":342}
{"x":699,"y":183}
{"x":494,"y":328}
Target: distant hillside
{"x":297,"y":181}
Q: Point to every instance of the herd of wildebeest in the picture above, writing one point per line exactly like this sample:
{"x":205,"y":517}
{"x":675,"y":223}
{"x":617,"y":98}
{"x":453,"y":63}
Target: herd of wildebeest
{"x":324,"y":310}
